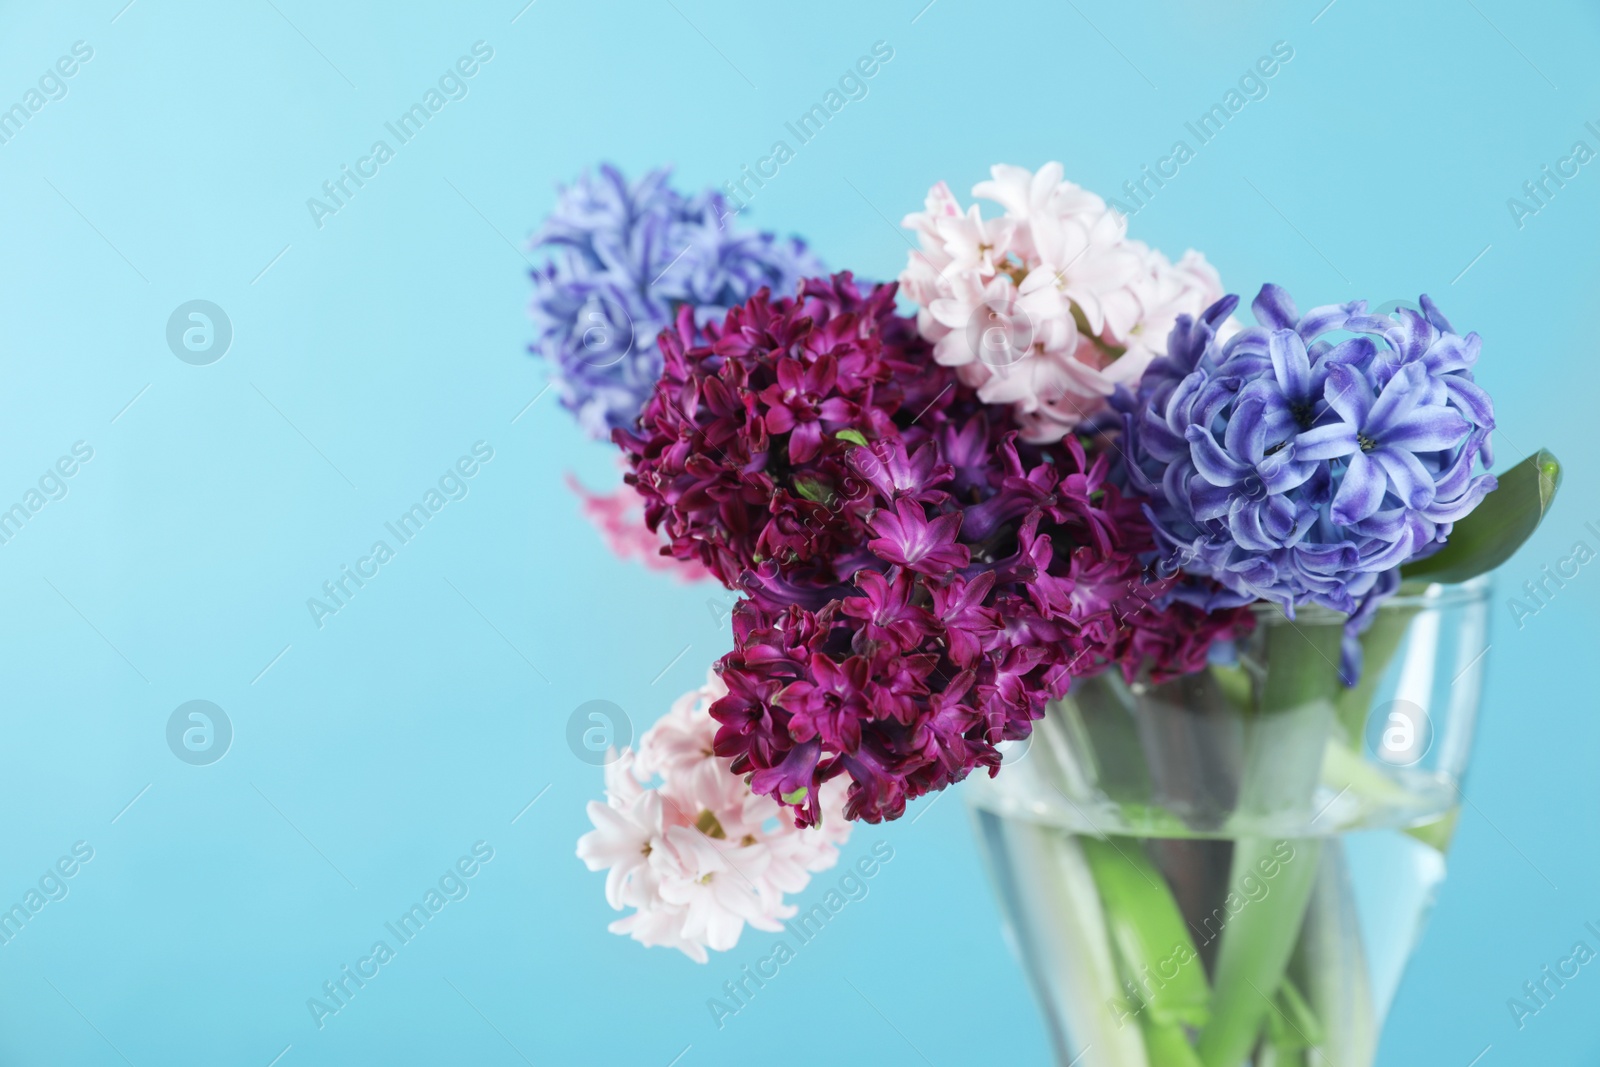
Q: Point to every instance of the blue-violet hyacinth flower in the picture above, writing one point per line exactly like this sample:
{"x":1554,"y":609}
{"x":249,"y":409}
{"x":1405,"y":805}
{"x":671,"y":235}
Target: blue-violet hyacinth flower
{"x":620,"y":259}
{"x":1303,"y":460}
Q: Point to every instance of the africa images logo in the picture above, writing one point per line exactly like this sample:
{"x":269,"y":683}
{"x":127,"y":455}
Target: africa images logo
{"x":199,"y":733}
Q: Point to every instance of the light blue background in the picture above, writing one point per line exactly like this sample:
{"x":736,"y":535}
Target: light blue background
{"x":379,"y":348}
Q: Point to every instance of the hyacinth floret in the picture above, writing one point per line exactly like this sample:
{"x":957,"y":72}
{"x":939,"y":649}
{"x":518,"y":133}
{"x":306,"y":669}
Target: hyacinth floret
{"x":620,"y":259}
{"x":1303,"y":460}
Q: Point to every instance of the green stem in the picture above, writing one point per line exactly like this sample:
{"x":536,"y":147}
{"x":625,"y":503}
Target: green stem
{"x":1069,"y":943}
{"x":1101,"y":732}
{"x":1378,"y":646}
{"x":1344,"y":770}
{"x":1190,"y":731}
{"x":1152,"y":943}
{"x":1292,"y":1024}
{"x":1271,"y":1056}
{"x":1256,"y":945}
{"x":1284,"y":753}
{"x":1332,"y":967}
{"x":1169,"y":1046}
{"x":1292,"y":1031}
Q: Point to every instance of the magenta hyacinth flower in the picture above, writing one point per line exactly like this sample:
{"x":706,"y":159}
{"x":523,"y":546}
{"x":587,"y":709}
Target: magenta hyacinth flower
{"x":740,"y":453}
{"x":920,"y":582}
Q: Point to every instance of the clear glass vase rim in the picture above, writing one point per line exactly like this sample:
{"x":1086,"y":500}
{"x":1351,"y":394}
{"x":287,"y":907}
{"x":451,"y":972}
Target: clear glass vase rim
{"x":1435,"y":595}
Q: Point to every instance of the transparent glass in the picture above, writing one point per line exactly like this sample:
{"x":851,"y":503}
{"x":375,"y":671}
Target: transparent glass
{"x":1233,"y":867}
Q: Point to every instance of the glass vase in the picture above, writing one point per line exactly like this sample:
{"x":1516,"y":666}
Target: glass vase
{"x":1233,"y":867}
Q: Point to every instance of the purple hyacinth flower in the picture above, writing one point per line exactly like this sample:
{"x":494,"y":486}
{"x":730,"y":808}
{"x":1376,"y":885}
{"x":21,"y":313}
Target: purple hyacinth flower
{"x":620,"y":259}
{"x":1303,"y":460}
{"x":1379,"y":435}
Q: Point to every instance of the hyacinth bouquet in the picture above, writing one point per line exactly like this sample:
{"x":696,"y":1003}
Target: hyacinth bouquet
{"x":1201,"y":598}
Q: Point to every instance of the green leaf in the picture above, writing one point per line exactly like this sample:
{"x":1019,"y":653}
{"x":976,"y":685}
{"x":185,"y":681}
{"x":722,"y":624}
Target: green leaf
{"x":1438,"y":832}
{"x":817,"y":492}
{"x":853,"y":436}
{"x":1497,"y":527}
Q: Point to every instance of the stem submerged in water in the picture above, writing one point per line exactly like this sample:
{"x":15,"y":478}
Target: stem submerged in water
{"x":1378,"y":646}
{"x":1283,"y":761}
{"x":1053,"y":886}
{"x":1156,"y":955}
{"x":1332,"y":967}
{"x":1256,"y":945}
